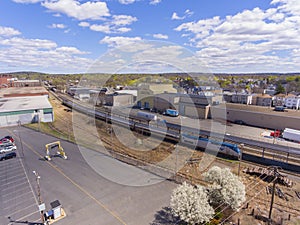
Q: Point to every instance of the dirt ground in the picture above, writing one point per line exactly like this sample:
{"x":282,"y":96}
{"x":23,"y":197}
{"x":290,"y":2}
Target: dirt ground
{"x":189,"y":164}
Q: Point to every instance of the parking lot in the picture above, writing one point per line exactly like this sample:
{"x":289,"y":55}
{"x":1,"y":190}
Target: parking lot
{"x":87,"y":195}
{"x":18,"y":201}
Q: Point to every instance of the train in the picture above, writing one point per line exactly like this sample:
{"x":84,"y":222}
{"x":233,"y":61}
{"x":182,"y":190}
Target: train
{"x":170,"y":132}
{"x":220,"y":148}
{"x":146,"y":116}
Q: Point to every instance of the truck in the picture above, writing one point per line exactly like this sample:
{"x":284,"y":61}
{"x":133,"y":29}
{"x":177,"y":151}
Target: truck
{"x":146,"y":116}
{"x":171,"y":112}
{"x":291,"y":134}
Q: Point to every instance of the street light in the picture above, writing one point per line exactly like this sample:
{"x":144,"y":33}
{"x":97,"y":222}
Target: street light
{"x":41,"y":205}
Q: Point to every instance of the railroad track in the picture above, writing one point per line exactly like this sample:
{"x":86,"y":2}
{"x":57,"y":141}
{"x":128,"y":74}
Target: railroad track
{"x":248,"y":149}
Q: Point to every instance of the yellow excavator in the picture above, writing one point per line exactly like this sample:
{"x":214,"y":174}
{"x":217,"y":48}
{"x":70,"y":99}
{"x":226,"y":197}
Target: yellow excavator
{"x":60,"y":151}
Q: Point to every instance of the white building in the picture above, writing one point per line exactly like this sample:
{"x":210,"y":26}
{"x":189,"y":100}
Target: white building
{"x":25,"y":110}
{"x":292,"y":102}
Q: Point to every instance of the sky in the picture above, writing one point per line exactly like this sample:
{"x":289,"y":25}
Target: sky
{"x":219,"y":36}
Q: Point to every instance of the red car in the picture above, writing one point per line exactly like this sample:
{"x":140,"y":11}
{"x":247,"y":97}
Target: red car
{"x":276,"y":133}
{"x":7,"y":139}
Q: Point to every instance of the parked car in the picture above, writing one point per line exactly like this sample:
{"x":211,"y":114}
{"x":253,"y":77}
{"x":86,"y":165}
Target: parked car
{"x":7,"y":147}
{"x":9,"y":155}
{"x":7,"y":139}
{"x":171,"y":112}
{"x":240,"y":122}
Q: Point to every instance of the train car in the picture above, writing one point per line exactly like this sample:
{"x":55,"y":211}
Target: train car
{"x":224,"y":149}
{"x":146,"y":116}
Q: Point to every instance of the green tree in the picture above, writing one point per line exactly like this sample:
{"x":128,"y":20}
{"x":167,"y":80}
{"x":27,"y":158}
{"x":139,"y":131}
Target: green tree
{"x":280,"y":89}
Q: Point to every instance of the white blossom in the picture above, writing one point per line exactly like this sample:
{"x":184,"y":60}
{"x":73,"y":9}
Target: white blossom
{"x":191,"y":205}
{"x":225,"y":187}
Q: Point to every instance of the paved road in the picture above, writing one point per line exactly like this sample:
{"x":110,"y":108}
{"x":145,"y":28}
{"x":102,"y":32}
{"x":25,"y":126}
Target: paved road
{"x":87,"y":197}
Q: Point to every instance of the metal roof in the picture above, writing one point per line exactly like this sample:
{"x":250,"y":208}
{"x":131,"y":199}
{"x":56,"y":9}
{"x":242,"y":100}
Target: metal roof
{"x":24,"y":103}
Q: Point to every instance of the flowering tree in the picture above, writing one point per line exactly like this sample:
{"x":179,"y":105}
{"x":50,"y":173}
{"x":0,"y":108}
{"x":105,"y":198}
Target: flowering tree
{"x":190,"y":204}
{"x":225,"y":187}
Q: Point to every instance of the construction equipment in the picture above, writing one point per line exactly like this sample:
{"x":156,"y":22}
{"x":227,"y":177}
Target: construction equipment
{"x":60,"y":151}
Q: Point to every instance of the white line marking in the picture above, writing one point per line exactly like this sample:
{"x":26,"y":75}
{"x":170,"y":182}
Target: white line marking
{"x":20,"y":210}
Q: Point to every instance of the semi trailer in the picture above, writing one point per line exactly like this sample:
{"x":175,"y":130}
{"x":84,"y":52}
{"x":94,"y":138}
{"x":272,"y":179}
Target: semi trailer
{"x":291,"y":134}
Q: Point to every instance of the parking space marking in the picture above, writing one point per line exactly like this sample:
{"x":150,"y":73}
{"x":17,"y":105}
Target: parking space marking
{"x":18,"y":175}
{"x":19,"y":196}
{"x":17,"y":185}
{"x":10,"y":166}
{"x":11,"y":172}
{"x":17,"y":204}
{"x":14,"y":192}
{"x":20,"y":210}
{"x":12,"y":182}
{"x":30,"y":214}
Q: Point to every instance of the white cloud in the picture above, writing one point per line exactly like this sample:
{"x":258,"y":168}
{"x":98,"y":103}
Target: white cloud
{"x":117,"y":24}
{"x":100,"y":28}
{"x":126,"y":2}
{"x":39,"y":54}
{"x":201,"y":28}
{"x":122,"y":30}
{"x":256,"y":40}
{"x":119,"y":41}
{"x":288,"y":6}
{"x":89,"y":10}
{"x":84,"y":24}
{"x":28,"y":43}
{"x":70,"y":50}
{"x":176,"y":17}
{"x":58,"y":25}
{"x":27,"y":1}
{"x":8,"y":31}
{"x":187,"y":13}
{"x":160,"y":36}
{"x":154,"y":2}
{"x":123,"y":20}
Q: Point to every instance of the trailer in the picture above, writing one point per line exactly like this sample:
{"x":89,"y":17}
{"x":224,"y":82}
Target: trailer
{"x":291,"y":134}
{"x":171,"y":112}
{"x":146,"y":116}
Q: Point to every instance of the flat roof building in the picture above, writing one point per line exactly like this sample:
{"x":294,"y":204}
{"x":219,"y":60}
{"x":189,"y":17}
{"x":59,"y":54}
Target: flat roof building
{"x":25,"y":110}
{"x":23,"y":92}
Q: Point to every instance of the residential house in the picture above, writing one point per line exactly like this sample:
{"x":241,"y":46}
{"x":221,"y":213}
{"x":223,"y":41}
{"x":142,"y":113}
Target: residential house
{"x":292,"y":101}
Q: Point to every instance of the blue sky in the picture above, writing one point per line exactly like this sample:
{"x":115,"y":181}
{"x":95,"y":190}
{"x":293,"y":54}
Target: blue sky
{"x":71,"y":36}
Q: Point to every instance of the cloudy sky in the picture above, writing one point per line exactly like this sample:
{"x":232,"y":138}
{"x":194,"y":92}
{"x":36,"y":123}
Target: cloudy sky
{"x":68,"y":36}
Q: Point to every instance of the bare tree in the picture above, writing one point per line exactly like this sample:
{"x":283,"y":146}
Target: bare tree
{"x":190,"y":204}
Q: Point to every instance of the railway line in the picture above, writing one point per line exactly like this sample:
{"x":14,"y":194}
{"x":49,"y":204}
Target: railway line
{"x":287,"y":158}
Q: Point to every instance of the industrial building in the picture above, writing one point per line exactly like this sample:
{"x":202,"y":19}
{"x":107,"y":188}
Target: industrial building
{"x":147,"y":92}
{"x":257,"y":116}
{"x":23,"y":91}
{"x":25,"y":110}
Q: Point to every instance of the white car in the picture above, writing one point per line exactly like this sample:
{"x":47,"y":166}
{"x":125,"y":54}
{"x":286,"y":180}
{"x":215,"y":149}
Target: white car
{"x":7,"y":148}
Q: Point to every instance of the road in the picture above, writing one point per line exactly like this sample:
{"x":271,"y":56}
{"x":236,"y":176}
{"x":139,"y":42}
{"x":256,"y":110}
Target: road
{"x":86,"y":191}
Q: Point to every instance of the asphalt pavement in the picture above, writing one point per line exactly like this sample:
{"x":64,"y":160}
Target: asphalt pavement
{"x":84,"y":187}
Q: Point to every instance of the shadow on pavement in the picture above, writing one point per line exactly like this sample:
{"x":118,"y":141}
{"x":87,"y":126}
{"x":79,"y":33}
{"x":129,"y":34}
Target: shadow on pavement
{"x":165,"y":217}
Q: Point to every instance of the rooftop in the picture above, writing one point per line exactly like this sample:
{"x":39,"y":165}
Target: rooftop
{"x":24,"y":103}
{"x":22,"y":91}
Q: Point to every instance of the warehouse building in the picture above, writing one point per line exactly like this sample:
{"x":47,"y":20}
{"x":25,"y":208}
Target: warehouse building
{"x":25,"y":110}
{"x":257,"y":116}
{"x":147,"y":92}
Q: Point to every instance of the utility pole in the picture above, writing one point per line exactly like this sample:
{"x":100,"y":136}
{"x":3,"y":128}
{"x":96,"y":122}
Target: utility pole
{"x":240,"y":159}
{"x":41,"y":205}
{"x":176,"y":159}
{"x":277,"y":175}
